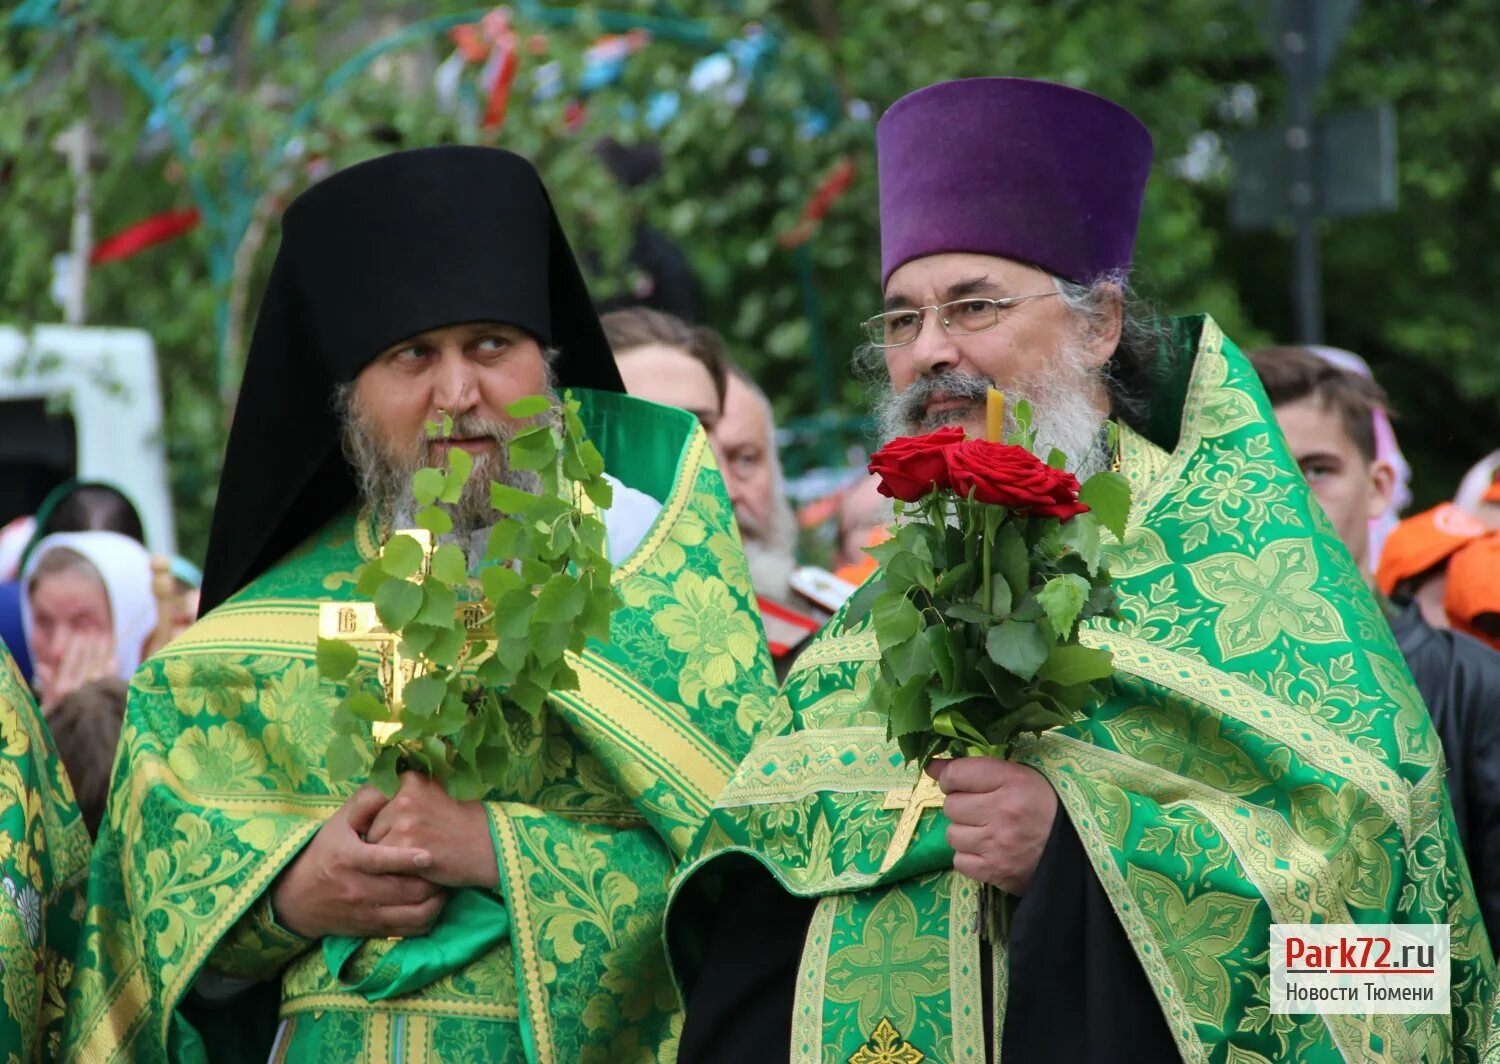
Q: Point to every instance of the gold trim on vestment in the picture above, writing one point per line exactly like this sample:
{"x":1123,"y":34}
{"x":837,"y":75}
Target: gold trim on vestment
{"x":812,"y":973}
{"x":674,"y":748}
{"x":1311,"y":739}
{"x":438,"y":1008}
{"x":125,"y":1012}
{"x":523,"y":939}
{"x":965,"y":981}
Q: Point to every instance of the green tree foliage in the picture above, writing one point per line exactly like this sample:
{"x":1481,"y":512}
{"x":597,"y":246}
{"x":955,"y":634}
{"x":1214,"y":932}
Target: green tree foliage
{"x":262,"y":103}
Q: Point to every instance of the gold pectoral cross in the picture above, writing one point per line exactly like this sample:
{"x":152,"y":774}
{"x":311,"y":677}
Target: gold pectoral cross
{"x":926,"y":794}
{"x":358,"y":623}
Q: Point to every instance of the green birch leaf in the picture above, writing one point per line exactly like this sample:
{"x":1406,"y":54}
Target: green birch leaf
{"x":1081,"y":534}
{"x":452,"y":714}
{"x":1101,"y":600}
{"x":533,"y":449}
{"x":460,"y":465}
{"x":498,"y":580}
{"x":371,"y":578}
{"x":449,"y":565}
{"x":1062,"y":598}
{"x":509,"y":500}
{"x":447,"y":645}
{"x":911,"y":709}
{"x":1107,"y":494}
{"x":435,"y":519}
{"x":600,"y":492}
{"x":1075,"y":664}
{"x":560,"y":600}
{"x":1018,"y":647}
{"x":528,"y":407}
{"x":508,"y":539}
{"x":424,"y":695}
{"x":1010,"y":558}
{"x":417,"y":638}
{"x":401,"y":557}
{"x":955,"y":578}
{"x":940,"y":648}
{"x":383,"y":773}
{"x":593,"y":461}
{"x":397,"y":602}
{"x":364,"y":706}
{"x":896,"y":619}
{"x":908,"y":569}
{"x":438,"y":603}
{"x":348,"y":759}
{"x":884,"y":552}
{"x":336,"y":658}
{"x":427,"y":485}
{"x":910,"y":659}
{"x":968,"y":612}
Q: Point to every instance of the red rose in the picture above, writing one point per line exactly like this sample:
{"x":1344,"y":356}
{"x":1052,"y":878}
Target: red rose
{"x":1003,"y":474}
{"x":911,"y":467}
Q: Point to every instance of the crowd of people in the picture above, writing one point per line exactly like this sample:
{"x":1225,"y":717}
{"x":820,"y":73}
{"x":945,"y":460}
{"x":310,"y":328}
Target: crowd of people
{"x":697,"y":855}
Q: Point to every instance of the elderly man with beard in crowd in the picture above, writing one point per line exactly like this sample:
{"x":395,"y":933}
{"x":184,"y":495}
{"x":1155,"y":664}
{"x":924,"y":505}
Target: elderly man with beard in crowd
{"x":745,"y":441}
{"x":233,"y":873}
{"x":1259,"y":756}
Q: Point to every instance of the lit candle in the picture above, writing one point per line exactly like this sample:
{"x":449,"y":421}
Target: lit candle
{"x":994,"y":416}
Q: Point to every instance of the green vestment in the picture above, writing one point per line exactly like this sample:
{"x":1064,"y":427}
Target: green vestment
{"x":44,"y":858}
{"x":1262,"y":756}
{"x":222,"y":781}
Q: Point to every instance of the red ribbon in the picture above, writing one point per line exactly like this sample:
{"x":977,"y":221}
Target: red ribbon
{"x":494,"y":42}
{"x":824,"y":196}
{"x":158,"y":229}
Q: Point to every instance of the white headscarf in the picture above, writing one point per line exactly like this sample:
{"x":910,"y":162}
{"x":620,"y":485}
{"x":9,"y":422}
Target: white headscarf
{"x":1476,"y":482}
{"x":125,"y":568}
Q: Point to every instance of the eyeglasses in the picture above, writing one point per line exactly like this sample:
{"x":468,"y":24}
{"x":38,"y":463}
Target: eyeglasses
{"x":962,"y":317}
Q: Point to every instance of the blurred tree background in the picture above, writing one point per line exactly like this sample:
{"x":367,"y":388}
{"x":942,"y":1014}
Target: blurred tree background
{"x":762,"y":114}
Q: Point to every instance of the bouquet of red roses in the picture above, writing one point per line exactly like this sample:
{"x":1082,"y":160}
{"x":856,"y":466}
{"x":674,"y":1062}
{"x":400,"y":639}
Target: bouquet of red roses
{"x":993,"y":564}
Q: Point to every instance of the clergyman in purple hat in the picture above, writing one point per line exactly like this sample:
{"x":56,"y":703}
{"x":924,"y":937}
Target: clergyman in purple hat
{"x":1260,"y":757}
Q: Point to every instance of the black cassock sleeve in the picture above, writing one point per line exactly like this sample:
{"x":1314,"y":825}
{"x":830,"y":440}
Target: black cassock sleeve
{"x":1077,"y":992}
{"x":739,"y":1009}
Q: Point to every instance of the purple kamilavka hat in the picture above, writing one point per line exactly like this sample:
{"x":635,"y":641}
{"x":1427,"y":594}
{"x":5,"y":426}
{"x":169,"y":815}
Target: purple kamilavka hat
{"x":1022,"y":169}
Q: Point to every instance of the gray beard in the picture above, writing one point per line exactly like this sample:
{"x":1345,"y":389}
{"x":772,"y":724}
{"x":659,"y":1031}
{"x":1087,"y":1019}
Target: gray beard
{"x":771,"y":568}
{"x":1061,"y":413}
{"x":385,"y":479}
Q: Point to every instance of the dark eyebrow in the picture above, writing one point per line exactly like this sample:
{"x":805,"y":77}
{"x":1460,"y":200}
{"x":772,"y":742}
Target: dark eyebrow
{"x":971,"y":286}
{"x":974,"y":286}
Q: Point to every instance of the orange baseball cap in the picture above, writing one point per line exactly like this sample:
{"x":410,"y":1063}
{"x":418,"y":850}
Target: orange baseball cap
{"x":1474,"y":588}
{"x":1493,"y":494}
{"x":1421,"y":542}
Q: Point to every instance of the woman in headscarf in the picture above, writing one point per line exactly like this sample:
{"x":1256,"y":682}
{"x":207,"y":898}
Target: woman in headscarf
{"x":88,"y":610}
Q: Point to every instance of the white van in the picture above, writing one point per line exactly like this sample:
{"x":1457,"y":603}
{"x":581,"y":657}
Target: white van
{"x":83,"y":402}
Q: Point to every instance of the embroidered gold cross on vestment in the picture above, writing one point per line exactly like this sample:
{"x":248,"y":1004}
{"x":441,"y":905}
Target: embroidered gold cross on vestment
{"x":359,"y":624}
{"x":912,"y":803}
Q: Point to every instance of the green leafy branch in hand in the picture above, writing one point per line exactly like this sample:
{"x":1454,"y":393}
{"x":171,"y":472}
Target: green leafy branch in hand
{"x":487,"y":647}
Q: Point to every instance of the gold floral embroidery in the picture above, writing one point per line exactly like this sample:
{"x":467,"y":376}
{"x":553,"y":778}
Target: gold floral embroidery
{"x":886,"y":1046}
{"x":1267,"y":596}
{"x":717,"y":637}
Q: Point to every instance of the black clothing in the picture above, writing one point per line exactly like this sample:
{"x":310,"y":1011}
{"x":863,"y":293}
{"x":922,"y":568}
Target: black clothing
{"x":377,"y":253}
{"x":1076,"y":992}
{"x":739,"y":1008}
{"x":1459,"y":678}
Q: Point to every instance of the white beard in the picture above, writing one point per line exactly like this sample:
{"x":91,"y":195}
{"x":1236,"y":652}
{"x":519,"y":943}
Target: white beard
{"x":1063,"y":414}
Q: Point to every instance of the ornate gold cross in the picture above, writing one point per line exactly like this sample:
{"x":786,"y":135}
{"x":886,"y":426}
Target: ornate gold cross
{"x":926,"y":794}
{"x":359,"y":624}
